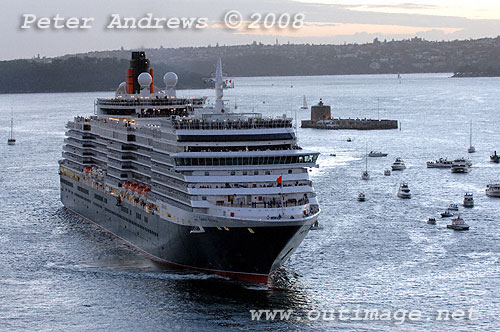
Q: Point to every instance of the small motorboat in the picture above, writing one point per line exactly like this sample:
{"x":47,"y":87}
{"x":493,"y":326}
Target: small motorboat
{"x":431,"y":221}
{"x":458,"y":224}
{"x":365,"y":175}
{"x":446,"y":214}
{"x":361,"y":197}
{"x":349,"y":139}
{"x":315,"y":225}
{"x":453,"y":207}
{"x":377,"y":154}
{"x":333,"y":155}
{"x":404,"y":191}
{"x":495,"y":158}
{"x":387,"y":172}
{"x":461,"y":165}
{"x":468,"y":200}
{"x":493,"y":190}
{"x":398,"y":165}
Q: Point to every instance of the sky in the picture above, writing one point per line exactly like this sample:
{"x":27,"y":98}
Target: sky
{"x":323,"y":22}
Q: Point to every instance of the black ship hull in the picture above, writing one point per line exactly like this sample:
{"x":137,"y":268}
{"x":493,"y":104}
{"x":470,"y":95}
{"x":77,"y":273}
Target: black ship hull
{"x":244,"y":253}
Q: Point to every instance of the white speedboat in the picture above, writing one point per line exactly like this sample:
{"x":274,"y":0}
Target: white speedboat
{"x":377,"y":154}
{"x":387,"y":172}
{"x":404,"y":191}
{"x":453,"y":207}
{"x":398,"y":165}
{"x":458,"y":224}
{"x":493,"y":190}
{"x":361,"y":197}
{"x":468,"y":200}
{"x":440,"y":163}
{"x":460,"y":165}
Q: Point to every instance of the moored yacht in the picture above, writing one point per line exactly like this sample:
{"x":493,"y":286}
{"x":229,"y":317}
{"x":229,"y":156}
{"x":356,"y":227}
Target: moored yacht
{"x":404,"y":191}
{"x":193,"y":185}
{"x":398,"y":165}
{"x":11,"y":140}
{"x":471,"y":148}
{"x":493,"y":190}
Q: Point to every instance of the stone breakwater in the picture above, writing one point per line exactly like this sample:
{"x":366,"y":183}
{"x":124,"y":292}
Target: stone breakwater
{"x":358,"y":124}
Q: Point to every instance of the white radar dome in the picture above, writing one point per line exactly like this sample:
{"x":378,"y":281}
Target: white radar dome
{"x":170,"y":79}
{"x":144,"y":79}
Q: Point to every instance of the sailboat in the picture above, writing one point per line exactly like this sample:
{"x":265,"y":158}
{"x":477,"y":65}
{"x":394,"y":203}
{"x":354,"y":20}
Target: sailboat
{"x":471,"y":149}
{"x":365,"y":175}
{"x":11,"y":140}
{"x":304,"y":104}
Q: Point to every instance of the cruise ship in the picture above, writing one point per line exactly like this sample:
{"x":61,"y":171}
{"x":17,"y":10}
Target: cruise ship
{"x":190,"y":184}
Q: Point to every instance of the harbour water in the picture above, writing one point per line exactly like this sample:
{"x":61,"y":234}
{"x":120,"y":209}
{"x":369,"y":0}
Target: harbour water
{"x":58,"y":273}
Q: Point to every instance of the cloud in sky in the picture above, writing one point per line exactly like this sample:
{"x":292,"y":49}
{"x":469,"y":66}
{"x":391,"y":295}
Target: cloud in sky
{"x":326,"y":22}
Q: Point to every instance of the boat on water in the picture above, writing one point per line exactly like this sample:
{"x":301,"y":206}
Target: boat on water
{"x":446,"y":214}
{"x":387,"y":172}
{"x":333,"y":155}
{"x":315,"y":226}
{"x":461,"y":165}
{"x":468,"y":200}
{"x":493,"y":190}
{"x":458,"y":224}
{"x":193,"y":185}
{"x":361,"y":197}
{"x":453,"y":207}
{"x":304,"y":104}
{"x":404,"y":191}
{"x":494,"y":157}
{"x":349,"y":139}
{"x":377,"y":154}
{"x":398,"y":164}
{"x":471,"y":148}
{"x":365,"y":175}
{"x":11,"y":140}
{"x":440,"y":163}
{"x":431,"y":221}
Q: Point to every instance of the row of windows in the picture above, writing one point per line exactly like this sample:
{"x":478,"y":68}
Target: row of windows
{"x":83,"y":190}
{"x":132,"y":222}
{"x":262,"y":160}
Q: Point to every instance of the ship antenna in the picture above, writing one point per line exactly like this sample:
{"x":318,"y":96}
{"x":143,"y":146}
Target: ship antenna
{"x":219,"y":87}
